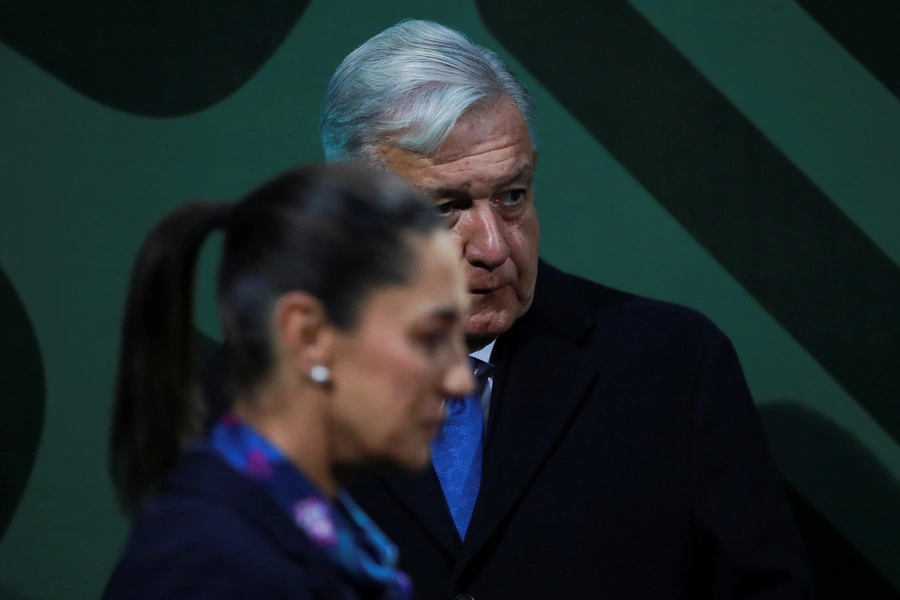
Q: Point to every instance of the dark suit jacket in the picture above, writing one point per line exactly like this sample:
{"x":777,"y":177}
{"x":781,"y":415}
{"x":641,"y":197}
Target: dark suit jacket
{"x":212,"y":534}
{"x":624,"y":459}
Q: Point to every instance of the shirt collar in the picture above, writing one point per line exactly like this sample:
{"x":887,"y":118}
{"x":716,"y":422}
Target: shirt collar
{"x":484,"y":355}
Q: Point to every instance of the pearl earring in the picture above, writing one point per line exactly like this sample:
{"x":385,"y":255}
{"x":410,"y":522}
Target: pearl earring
{"x":320,"y":374}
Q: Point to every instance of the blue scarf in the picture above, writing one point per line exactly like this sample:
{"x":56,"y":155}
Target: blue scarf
{"x":338,"y":528}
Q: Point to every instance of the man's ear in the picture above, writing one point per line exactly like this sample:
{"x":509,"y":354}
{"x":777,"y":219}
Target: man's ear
{"x":303,"y":335}
{"x":534,"y":157}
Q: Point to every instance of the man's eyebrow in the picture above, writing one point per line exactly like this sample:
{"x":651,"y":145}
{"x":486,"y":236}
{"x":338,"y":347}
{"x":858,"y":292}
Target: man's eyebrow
{"x":524,"y":174}
{"x":446,"y":192}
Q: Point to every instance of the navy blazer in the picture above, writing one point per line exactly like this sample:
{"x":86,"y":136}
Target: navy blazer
{"x":212,"y":534}
{"x":624,"y":459}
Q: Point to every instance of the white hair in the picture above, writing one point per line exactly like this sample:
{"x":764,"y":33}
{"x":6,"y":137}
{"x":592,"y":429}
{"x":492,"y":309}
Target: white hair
{"x":409,"y":85}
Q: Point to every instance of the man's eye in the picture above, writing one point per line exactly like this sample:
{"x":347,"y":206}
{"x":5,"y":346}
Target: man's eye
{"x":513,"y":197}
{"x":444,"y":208}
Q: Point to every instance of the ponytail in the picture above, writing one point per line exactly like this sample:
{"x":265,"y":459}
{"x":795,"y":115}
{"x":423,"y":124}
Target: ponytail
{"x":157,"y":406}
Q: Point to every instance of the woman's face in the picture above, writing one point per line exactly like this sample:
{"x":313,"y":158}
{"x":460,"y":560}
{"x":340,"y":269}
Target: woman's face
{"x":407,"y":353}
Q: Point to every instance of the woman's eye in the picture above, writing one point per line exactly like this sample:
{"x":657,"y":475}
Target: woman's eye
{"x":433,"y":340}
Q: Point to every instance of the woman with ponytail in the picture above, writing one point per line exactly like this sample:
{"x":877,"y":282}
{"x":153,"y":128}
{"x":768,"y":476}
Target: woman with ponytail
{"x":341,"y":301}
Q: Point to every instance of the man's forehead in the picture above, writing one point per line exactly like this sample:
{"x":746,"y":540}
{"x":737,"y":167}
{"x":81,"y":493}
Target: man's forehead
{"x":489,"y":148}
{"x":484,"y":130}
{"x":478,"y":148}
{"x":479,"y":130}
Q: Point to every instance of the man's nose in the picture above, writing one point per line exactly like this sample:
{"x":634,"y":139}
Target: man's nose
{"x":484,"y":244}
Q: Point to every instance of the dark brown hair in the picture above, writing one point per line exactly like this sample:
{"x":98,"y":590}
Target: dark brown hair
{"x":335,"y":231}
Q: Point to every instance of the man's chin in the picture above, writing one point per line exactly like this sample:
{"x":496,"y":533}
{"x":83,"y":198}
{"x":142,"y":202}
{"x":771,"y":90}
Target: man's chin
{"x":488,"y":325}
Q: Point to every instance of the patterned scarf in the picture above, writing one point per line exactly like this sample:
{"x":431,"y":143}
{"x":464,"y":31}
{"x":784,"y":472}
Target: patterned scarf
{"x":339,"y":528}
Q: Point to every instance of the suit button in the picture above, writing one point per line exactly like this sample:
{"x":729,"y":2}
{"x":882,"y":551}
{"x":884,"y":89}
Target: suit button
{"x":464,"y":597}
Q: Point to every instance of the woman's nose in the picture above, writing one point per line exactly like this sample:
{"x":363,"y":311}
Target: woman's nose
{"x":459,"y":380}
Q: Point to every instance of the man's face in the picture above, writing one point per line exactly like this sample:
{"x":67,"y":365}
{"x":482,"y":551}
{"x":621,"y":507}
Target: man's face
{"x":481,"y":180}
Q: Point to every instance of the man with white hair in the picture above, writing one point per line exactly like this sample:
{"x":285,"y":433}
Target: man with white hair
{"x":618,"y":448}
{"x":612,"y":449}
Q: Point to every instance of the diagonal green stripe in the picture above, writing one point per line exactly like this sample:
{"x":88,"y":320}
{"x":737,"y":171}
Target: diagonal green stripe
{"x":805,"y":92}
{"x":763,"y":220}
{"x":867,"y":29}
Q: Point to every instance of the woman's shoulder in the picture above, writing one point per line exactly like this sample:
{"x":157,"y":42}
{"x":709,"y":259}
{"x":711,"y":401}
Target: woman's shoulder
{"x":186,"y":545}
{"x":182,"y":547}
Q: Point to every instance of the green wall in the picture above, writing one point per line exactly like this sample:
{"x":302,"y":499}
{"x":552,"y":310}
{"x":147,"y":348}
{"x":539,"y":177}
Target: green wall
{"x":740,"y":157}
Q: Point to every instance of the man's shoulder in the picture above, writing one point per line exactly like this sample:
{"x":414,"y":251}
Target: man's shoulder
{"x":640,"y":316}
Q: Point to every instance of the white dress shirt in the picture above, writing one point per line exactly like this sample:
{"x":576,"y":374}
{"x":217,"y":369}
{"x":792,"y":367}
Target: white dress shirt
{"x":484,"y":355}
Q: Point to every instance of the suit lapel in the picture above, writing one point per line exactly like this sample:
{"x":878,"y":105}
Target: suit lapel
{"x":542,"y":378}
{"x":422,"y":495}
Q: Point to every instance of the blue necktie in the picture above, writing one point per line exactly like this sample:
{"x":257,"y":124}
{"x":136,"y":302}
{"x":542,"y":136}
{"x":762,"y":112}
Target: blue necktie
{"x":456,"y":452}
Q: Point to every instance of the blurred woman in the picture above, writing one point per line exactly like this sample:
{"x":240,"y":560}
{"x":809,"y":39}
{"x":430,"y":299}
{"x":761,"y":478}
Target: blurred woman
{"x":341,"y":301}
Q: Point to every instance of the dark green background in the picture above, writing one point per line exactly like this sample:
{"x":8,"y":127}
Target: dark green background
{"x":739,"y":157}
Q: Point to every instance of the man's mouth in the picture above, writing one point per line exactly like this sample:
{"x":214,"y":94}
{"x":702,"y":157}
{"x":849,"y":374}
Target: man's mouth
{"x":484,"y":291}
